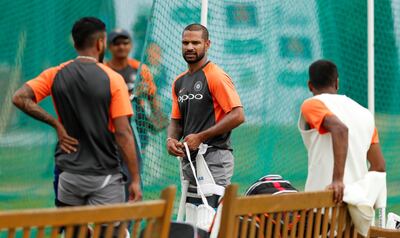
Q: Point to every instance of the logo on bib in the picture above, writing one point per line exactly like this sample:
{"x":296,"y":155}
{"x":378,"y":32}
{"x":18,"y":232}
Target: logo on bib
{"x":198,"y":86}
{"x":191,"y":96}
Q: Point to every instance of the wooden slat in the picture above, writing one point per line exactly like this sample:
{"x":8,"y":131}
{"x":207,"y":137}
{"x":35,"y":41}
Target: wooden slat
{"x":82,"y":214}
{"x":96,"y":231}
{"x":11,"y":233}
{"x":333,"y":222}
{"x":122,"y":229}
{"x":163,"y":225}
{"x":40,"y":232}
{"x":277,"y":228}
{"x":375,"y":232}
{"x":83,"y":230}
{"x":341,"y":221}
{"x":149,"y":228}
{"x":109,"y":229}
{"x":348,"y":227}
{"x":26,"y":232}
{"x":325,"y":222}
{"x":236,"y":227}
{"x":317,"y":223}
{"x":54,"y":232}
{"x":69,"y":230}
{"x":261,"y":227}
{"x":310,"y":222}
{"x":302,"y":224}
{"x":243,"y":227}
{"x":269,"y":225}
{"x":252,"y":232}
{"x":283,"y":202}
{"x":228,"y":215}
{"x":295,"y":222}
{"x":347,"y":233}
{"x":285,"y":229}
{"x":136,"y":228}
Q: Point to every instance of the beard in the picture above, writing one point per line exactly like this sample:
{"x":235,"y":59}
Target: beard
{"x":101,"y":56}
{"x":102,"y":53}
{"x":196,"y":59}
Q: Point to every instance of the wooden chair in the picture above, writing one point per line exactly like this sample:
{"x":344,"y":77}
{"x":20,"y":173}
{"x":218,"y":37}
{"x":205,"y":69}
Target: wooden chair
{"x":303,"y":214}
{"x":375,"y":232}
{"x":104,"y":220}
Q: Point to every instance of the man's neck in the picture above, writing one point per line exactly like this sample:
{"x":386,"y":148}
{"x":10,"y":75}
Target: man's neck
{"x":327,"y":91}
{"x":118,"y":63}
{"x":89,"y":54}
{"x":196,"y":66}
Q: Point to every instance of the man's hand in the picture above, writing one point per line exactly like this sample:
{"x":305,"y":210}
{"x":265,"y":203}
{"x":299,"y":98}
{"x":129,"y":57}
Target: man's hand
{"x":175,"y":147}
{"x":135,"y":193}
{"x":193,"y":141}
{"x":338,"y":189}
{"x":67,"y":143}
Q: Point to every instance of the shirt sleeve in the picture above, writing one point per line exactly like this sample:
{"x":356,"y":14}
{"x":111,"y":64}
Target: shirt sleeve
{"x":375,"y":137}
{"x":223,"y":90}
{"x":314,"y":112}
{"x":175,"y":114}
{"x":120,"y":103}
{"x":41,"y":85}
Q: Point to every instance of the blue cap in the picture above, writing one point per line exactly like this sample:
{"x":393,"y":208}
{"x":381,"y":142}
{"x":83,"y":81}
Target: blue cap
{"x":117,"y":33}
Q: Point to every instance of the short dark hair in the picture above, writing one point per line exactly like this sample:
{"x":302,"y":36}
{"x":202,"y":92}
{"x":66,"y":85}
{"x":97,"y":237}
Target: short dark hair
{"x":323,"y":74}
{"x":85,"y":31}
{"x":197,"y":27}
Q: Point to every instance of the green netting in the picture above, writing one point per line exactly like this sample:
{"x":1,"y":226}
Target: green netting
{"x":265,"y":46}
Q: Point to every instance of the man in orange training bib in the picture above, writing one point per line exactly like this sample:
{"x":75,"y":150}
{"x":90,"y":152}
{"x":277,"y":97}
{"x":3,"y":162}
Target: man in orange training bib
{"x":93,"y":107}
{"x":205,"y":109}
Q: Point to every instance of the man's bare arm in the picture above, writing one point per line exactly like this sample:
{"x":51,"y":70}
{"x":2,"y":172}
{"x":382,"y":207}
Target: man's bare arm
{"x":375,"y":158}
{"x":174,"y":135}
{"x":125,"y":141}
{"x":340,"y":141}
{"x":175,"y":129}
{"x":24,"y":99}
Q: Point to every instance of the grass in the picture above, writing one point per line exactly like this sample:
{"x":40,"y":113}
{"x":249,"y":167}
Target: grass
{"x":26,"y":172}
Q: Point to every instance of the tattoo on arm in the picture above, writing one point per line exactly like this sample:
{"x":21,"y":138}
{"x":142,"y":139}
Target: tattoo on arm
{"x":24,"y":100}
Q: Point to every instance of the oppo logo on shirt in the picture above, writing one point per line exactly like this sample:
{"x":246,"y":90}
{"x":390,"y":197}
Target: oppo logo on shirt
{"x":190,"y":96}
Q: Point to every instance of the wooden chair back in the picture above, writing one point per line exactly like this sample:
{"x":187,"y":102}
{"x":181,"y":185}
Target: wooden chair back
{"x":95,"y":221}
{"x":303,"y":214}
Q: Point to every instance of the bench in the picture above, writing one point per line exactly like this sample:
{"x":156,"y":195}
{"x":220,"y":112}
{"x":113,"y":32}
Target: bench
{"x":302,"y":214}
{"x":104,"y":220}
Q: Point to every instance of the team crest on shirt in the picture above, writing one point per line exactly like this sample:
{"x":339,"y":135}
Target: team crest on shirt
{"x":198,"y":86}
{"x":131,"y":82}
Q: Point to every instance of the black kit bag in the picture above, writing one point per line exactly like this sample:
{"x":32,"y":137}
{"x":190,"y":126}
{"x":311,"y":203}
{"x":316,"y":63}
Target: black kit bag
{"x":273,"y":185}
{"x":270,"y":184}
